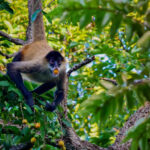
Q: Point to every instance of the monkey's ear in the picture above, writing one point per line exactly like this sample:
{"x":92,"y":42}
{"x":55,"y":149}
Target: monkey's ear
{"x":55,"y":55}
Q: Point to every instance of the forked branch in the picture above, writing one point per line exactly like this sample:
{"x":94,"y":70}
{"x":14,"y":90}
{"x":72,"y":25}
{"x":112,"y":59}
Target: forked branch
{"x":83,"y":63}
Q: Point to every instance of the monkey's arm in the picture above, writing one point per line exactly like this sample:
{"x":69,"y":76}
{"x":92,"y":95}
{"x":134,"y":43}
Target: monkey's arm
{"x":14,"y":71}
{"x":59,"y":95}
{"x":44,"y":87}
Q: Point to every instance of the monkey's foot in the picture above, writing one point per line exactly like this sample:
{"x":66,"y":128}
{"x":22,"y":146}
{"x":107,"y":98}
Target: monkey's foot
{"x":50,"y":107}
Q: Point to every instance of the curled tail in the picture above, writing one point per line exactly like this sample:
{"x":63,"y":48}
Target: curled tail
{"x":38,"y":25}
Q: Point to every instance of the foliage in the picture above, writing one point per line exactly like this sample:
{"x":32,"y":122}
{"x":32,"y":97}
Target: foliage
{"x":4,"y":5}
{"x":136,"y":134}
{"x":117,"y":33}
{"x":43,"y":126}
{"x":133,"y":86}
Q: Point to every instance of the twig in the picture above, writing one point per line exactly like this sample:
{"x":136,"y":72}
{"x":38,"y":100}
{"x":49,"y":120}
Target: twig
{"x":135,"y":82}
{"x":6,"y":55}
{"x":110,"y":80}
{"x":141,"y":81}
{"x":11,"y":39}
{"x":9,"y":124}
{"x":76,"y":67}
{"x":50,"y":3}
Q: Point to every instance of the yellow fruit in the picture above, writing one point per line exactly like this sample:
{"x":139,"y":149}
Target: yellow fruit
{"x":81,"y":129}
{"x":37,"y":125}
{"x":24,"y":121}
{"x":85,"y":120}
{"x":33,"y":140}
{"x":55,"y":71}
{"x":61,"y":143}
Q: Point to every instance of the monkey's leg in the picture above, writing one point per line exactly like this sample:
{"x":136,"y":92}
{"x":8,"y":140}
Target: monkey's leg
{"x":44,"y":87}
{"x":14,"y":71}
{"x":59,"y":96}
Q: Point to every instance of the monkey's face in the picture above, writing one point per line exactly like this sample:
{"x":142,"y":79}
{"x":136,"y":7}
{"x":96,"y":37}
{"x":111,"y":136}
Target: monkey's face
{"x":54,"y":66}
{"x":55,"y":60}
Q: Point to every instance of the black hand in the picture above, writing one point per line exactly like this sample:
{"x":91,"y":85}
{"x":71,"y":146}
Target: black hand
{"x":30,"y":103}
{"x":50,"y":107}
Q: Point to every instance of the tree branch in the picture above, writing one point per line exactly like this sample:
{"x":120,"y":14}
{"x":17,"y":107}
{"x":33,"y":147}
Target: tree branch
{"x":135,"y":82}
{"x":142,"y":112}
{"x":77,"y":66}
{"x":6,"y":55}
{"x":11,"y":39}
{"x":29,"y":31}
{"x":110,"y":80}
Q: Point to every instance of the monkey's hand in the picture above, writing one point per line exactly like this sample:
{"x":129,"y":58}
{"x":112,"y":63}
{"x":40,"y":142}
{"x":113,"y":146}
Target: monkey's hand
{"x":50,"y":107}
{"x":30,"y":102}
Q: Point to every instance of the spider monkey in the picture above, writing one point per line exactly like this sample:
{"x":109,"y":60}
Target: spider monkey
{"x":40,"y":63}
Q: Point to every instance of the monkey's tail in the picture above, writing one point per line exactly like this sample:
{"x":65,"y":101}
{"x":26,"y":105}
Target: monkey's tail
{"x":38,"y":25}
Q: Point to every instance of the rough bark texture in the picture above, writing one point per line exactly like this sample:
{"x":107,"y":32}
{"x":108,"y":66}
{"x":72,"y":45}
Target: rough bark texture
{"x":29,"y":32}
{"x":143,"y":112}
{"x":38,"y":25}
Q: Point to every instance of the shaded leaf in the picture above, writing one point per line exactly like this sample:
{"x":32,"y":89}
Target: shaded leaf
{"x":116,"y":21}
{"x":5,"y":5}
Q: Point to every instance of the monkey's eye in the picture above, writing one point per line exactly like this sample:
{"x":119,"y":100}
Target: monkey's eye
{"x":51,"y":61}
{"x":52,"y":64}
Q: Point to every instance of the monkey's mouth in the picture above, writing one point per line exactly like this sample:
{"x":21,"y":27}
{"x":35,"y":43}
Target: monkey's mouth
{"x":55,"y":72}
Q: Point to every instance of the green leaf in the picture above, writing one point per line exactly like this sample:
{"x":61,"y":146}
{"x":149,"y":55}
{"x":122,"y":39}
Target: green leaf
{"x":35,"y":14}
{"x":85,"y":19}
{"x":25,"y":131}
{"x":106,"y":84}
{"x":5,"y":5}
{"x":134,"y":145}
{"x":106,"y":19}
{"x":4,"y":83}
{"x":99,"y":19}
{"x":129,"y":31}
{"x":116,"y":21}
{"x":67,"y":123}
{"x":28,"y":85}
{"x":130,"y":99}
{"x":47,"y":15}
{"x":144,"y":144}
{"x":28,"y":109}
{"x":14,"y":129}
{"x":73,"y":44}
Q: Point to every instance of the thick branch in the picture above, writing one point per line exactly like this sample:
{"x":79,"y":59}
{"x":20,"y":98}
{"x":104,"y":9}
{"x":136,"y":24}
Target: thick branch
{"x":143,"y":112}
{"x":11,"y":39}
{"x":29,"y":32}
{"x":76,"y":67}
